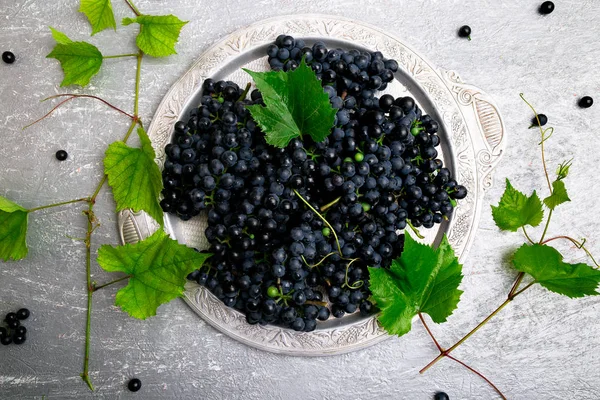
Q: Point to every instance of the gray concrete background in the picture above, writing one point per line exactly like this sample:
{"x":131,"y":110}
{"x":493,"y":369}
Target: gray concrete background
{"x":542,"y":346}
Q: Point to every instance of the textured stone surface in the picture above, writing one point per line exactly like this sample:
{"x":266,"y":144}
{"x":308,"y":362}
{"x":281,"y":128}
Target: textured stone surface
{"x":542,"y":346}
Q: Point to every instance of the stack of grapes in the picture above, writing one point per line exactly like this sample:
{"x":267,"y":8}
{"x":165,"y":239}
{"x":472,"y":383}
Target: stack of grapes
{"x":293,"y":229}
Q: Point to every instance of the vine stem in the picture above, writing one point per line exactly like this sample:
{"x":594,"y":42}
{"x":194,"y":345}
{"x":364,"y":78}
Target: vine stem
{"x":579,"y":245}
{"x":440,"y":348}
{"x":133,"y":8}
{"x":58,"y":204}
{"x":71,"y":96}
{"x":110,"y":283}
{"x":473,"y":370}
{"x":541,"y":143}
{"x":546,"y":227}
{"x":430,"y":334}
{"x":138,"y":73}
{"x":527,"y":236}
{"x":509,"y":298}
{"x":89,"y":96}
{"x":88,"y":262}
{"x":121,"y":55}
{"x":47,"y":114}
{"x":515,"y":285}
{"x":92,"y":225}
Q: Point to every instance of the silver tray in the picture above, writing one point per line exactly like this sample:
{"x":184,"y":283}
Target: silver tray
{"x":472,"y":143}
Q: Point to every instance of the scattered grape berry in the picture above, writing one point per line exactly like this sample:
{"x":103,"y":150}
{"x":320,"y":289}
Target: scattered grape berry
{"x":465,"y":32}
{"x":541,"y":120}
{"x":61,"y":155}
{"x":10,"y":317}
{"x":586,"y":102}
{"x":134,"y":385}
{"x":15,"y":333}
{"x":441,"y":396}
{"x":23,"y":314}
{"x":547,"y":7}
{"x":273,"y":258}
{"x":8,"y":57}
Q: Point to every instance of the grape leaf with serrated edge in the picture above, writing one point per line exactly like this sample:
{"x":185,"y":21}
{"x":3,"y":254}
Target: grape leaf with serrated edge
{"x":516,"y":209}
{"x":135,"y":178}
{"x":157,"y":267}
{"x":99,"y":13}
{"x":79,"y":60}
{"x":545,"y":264}
{"x":422,"y":279}
{"x":559,"y":195}
{"x":13,"y":230}
{"x":295,"y":105}
{"x":158,"y":33}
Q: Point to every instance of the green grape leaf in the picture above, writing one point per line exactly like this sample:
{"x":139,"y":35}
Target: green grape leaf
{"x":60,"y":37}
{"x":545,"y":264}
{"x":134,"y":176}
{"x":295,"y":105}
{"x":79,"y":60}
{"x":559,"y":195}
{"x":421,"y":280}
{"x":99,"y":13}
{"x":157,"y":268}
{"x":13,"y":230}
{"x":158,"y":33}
{"x":516,"y":210}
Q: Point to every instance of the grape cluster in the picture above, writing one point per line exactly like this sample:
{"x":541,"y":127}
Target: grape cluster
{"x":293,"y":229}
{"x":15,"y":333}
{"x":352,"y":71}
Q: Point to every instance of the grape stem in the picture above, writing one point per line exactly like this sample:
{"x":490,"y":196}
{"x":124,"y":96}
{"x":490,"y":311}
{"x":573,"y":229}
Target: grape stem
{"x":323,"y":219}
{"x":319,"y":263}
{"x":415,"y":230}
{"x":330,"y":204}
{"x":245,"y":92}
{"x":316,"y":303}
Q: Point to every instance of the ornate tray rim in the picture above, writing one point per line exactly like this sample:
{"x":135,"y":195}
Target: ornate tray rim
{"x":472,"y":123}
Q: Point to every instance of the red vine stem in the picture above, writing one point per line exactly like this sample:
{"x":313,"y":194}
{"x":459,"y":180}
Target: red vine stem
{"x":430,"y":334}
{"x":512,"y":294}
{"x":133,"y":8}
{"x":443,"y":353}
{"x":71,"y":96}
{"x":49,"y":112}
{"x":515,"y":285}
{"x":473,"y":370}
{"x":92,"y":97}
